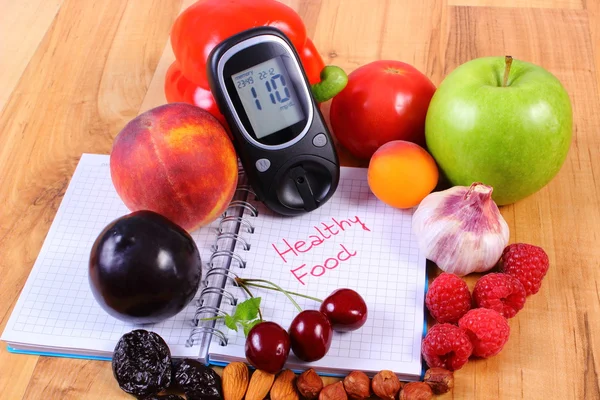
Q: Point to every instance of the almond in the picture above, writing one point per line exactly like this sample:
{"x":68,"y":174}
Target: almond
{"x":334,"y":391}
{"x":283,"y":387}
{"x":235,"y":381}
{"x":260,"y":384}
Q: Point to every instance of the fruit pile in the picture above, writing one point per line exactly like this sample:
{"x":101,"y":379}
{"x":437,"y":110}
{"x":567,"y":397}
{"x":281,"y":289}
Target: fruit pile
{"x":475,"y":325}
{"x":481,"y":132}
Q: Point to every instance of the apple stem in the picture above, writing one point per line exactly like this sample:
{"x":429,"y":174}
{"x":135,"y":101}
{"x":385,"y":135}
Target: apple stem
{"x":243,"y":282}
{"x":290,"y":292}
{"x":508,"y":63}
{"x":245,"y":288}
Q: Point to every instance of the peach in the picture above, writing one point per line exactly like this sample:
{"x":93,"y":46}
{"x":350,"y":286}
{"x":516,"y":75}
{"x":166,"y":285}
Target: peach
{"x":402,"y":173}
{"x":176,"y":160}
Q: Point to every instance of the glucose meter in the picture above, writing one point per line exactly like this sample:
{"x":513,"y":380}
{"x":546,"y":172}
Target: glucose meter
{"x":279,"y":133}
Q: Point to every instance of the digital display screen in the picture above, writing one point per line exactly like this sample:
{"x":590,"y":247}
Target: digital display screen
{"x":268,"y":97}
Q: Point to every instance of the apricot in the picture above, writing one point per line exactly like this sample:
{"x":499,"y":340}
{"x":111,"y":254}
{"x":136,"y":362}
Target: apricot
{"x":175,"y":160}
{"x":402,"y":173}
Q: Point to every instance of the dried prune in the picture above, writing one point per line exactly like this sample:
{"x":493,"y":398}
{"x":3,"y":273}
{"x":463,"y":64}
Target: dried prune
{"x":164,"y":397}
{"x":142,"y":363}
{"x":198,"y":381}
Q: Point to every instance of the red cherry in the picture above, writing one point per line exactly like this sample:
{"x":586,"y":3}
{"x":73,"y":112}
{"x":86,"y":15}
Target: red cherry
{"x":345,"y":309}
{"x":310,"y":334}
{"x":267,"y":347}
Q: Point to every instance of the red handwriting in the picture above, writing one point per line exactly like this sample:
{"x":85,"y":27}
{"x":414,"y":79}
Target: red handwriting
{"x":323,"y":233}
{"x":318,"y":270}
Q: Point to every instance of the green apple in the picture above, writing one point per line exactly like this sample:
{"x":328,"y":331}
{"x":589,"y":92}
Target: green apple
{"x":503,"y":122}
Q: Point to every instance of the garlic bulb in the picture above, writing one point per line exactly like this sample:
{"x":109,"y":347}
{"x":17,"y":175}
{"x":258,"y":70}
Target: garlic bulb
{"x":461,"y":229}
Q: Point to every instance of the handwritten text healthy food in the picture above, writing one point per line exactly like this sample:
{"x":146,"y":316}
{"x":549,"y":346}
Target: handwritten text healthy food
{"x":323,"y":232}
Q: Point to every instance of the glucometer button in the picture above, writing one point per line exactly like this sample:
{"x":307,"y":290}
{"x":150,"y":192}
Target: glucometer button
{"x":320,"y":140}
{"x":263,"y":164}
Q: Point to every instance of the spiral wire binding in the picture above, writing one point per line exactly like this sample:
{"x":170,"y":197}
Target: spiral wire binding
{"x":199,"y":330}
{"x":246,"y":205}
{"x":247,"y":188}
{"x":207,"y":309}
{"x":229,"y":235}
{"x":223,"y":272}
{"x":216,"y":290}
{"x":236,"y":216}
{"x":233,"y":218}
{"x":226,"y":253}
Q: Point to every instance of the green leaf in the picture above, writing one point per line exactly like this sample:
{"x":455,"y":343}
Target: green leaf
{"x":247,"y":310}
{"x":230,"y":322}
{"x":250,"y":325}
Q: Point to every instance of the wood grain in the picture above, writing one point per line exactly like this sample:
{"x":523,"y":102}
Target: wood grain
{"x":36,"y":15}
{"x":571,"y":4}
{"x":537,"y":35}
{"x":87,"y":78}
{"x":74,"y":72}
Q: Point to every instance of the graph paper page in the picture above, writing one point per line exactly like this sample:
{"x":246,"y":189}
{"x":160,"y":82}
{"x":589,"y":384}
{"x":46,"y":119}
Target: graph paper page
{"x":353,"y":241}
{"x":56,"y":310}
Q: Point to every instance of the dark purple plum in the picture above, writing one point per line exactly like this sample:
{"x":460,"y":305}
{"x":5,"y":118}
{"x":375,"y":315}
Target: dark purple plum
{"x":144,"y":268}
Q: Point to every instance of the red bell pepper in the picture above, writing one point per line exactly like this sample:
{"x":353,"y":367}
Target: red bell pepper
{"x":205,"y":24}
{"x":179,"y":89}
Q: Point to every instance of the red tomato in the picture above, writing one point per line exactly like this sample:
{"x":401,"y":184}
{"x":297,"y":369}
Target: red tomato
{"x":383,"y":101}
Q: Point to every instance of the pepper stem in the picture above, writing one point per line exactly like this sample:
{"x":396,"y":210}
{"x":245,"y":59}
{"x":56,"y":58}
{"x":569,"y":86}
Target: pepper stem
{"x":507,"y":64}
{"x":333,"y":81}
{"x":243,"y":282}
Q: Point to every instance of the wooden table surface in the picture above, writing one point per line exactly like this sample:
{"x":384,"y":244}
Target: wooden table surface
{"x":74,"y":72}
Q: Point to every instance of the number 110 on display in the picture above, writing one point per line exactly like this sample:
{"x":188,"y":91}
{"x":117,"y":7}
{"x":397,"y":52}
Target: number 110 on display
{"x":271,"y":78}
{"x":275,"y":84}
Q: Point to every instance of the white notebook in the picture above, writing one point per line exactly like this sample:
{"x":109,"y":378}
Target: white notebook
{"x":352,"y":241}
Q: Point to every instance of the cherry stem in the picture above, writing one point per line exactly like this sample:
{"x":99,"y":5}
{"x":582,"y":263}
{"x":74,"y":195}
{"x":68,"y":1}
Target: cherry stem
{"x":245,"y":288}
{"x":508,"y":63}
{"x":279,"y":289}
{"x":292,"y":293}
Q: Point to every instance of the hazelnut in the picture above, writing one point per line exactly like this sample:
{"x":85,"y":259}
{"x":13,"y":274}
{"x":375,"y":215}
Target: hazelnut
{"x":439,"y":379}
{"x":386,"y":385}
{"x":309,"y":384}
{"x":357,"y":385}
{"x":416,"y":391}
{"x":334,"y":391}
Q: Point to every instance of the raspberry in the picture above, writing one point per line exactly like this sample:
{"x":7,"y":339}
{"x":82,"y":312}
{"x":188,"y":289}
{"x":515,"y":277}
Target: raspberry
{"x":500,"y":292}
{"x":448,"y":298}
{"x":446,"y":346}
{"x":527,"y":263}
{"x":487,"y":329}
